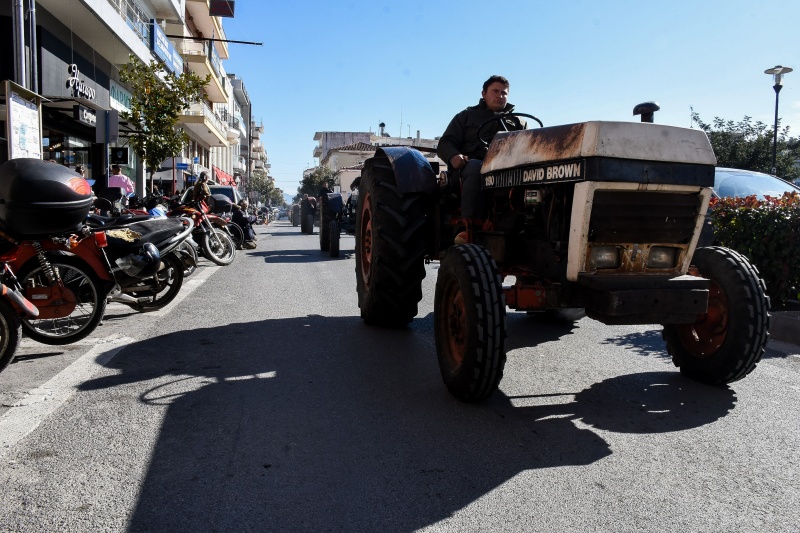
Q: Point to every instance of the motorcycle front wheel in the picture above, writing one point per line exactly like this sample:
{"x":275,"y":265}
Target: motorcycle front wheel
{"x":90,"y":301}
{"x":10,"y":333}
{"x":219,"y":247}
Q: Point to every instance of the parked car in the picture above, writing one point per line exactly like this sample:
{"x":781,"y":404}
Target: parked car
{"x":732,"y":182}
{"x":737,"y":183}
{"x":230,"y":191}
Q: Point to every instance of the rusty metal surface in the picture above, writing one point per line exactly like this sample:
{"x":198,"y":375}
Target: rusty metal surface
{"x":412,"y":171}
{"x":622,"y":140}
{"x":514,"y":148}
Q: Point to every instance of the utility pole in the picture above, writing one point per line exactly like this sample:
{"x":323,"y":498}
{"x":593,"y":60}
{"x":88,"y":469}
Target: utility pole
{"x":18,"y":23}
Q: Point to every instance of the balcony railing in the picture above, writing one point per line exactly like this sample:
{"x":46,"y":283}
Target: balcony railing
{"x":202,"y":109}
{"x":135,"y":17}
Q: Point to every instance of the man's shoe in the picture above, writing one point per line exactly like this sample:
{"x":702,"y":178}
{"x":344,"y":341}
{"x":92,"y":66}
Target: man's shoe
{"x":461,"y":238}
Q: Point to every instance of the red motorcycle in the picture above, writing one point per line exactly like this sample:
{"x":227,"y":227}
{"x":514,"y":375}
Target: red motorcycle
{"x":70,"y":268}
{"x":13,"y":306}
{"x":210,"y":232}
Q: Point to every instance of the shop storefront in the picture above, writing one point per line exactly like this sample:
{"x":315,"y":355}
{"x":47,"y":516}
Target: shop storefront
{"x":78,"y":89}
{"x":75,"y":90}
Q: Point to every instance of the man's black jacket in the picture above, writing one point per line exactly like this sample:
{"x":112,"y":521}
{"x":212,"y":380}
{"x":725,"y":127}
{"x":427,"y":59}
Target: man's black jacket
{"x":461,"y":135}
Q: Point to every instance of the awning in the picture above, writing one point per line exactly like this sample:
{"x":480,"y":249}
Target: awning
{"x":223,"y":178}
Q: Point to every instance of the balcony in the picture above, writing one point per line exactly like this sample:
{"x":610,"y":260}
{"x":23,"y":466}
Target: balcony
{"x":240,"y":91}
{"x":201,"y":60}
{"x":318,"y":151}
{"x":256,"y":145}
{"x":240,"y":165}
{"x":258,"y":164}
{"x":201,"y":120}
{"x":209,"y":26}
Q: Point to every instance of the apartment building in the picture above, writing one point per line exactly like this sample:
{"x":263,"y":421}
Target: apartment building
{"x":79,"y":47}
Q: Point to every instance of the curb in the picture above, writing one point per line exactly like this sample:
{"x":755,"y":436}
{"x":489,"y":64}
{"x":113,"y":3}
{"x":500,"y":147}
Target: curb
{"x":785,"y":326}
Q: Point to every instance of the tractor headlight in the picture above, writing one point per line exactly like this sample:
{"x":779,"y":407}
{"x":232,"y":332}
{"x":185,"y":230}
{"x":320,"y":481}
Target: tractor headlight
{"x":604,"y":257}
{"x":661,"y":257}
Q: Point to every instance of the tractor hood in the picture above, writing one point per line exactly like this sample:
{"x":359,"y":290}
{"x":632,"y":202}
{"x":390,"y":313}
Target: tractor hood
{"x":620,"y":140}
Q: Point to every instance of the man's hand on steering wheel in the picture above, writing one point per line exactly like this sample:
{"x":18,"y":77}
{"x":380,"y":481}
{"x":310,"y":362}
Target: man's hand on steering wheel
{"x":458,"y":161}
{"x":499,"y":118}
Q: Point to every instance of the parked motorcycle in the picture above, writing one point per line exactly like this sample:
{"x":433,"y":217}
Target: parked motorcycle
{"x":69,"y":267}
{"x":13,"y":305}
{"x":210,"y":232}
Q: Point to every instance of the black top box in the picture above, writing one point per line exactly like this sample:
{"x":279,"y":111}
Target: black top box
{"x":38,"y":198}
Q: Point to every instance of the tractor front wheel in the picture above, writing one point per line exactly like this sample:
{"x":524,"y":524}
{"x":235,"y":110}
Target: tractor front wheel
{"x":725,"y":343}
{"x":469,"y":322}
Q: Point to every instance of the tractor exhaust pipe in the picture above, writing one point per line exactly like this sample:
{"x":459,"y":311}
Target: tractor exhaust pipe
{"x":647,"y":110}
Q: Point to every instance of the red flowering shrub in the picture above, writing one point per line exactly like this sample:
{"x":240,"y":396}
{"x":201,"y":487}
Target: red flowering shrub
{"x":766,"y":231}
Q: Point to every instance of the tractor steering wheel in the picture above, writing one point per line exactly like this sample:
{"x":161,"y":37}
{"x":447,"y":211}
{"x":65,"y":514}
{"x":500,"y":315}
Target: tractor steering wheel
{"x":500,"y":118}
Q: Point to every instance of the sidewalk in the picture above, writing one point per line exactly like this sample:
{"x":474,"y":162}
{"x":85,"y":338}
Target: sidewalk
{"x":785,"y":326}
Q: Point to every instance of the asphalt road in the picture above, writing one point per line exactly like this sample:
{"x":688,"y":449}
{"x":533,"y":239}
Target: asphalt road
{"x":259,"y":401}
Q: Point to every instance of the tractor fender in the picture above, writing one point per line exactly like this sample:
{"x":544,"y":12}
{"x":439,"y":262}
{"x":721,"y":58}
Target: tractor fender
{"x":411,"y":170}
{"x":335,"y":202}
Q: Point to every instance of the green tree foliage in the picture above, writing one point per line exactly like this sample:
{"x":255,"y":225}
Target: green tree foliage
{"x":312,"y":183}
{"x":748,"y":145}
{"x":765,"y":232}
{"x":158,"y":97}
{"x":264,"y":189}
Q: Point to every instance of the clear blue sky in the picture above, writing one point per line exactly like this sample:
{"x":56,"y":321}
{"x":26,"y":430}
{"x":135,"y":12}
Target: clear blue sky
{"x":331,"y":65}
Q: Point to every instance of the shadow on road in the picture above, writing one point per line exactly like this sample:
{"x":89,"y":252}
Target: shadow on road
{"x":299,"y":256}
{"x":324,"y":424}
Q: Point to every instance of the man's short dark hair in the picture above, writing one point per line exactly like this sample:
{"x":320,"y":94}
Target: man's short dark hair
{"x":495,"y":79}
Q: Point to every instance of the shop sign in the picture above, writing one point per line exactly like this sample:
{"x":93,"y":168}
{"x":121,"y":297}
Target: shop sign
{"x":77,"y":86}
{"x":119,"y":98}
{"x":119,"y":156}
{"x":164,"y":49}
{"x":85,"y":115}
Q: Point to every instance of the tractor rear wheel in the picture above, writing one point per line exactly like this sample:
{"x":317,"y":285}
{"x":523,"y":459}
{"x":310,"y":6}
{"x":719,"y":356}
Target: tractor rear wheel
{"x":469,"y":322}
{"x":334,"y":235}
{"x":326,"y":216}
{"x":305,"y":211}
{"x":390,"y":249}
{"x":727,"y":342}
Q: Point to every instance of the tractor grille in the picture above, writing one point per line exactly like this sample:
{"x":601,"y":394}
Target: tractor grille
{"x":643,"y":217}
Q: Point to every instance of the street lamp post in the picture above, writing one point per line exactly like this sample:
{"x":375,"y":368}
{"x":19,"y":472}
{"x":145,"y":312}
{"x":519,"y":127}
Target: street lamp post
{"x":777,"y":72}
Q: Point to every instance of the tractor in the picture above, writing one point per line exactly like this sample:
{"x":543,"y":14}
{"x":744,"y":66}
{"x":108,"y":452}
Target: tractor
{"x":337,"y":216}
{"x":601,"y":217}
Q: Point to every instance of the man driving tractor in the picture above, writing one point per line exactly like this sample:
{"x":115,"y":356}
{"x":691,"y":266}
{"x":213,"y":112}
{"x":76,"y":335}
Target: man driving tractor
{"x":464,"y":151}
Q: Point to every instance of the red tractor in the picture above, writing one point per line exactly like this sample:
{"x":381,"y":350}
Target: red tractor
{"x":596,"y":216}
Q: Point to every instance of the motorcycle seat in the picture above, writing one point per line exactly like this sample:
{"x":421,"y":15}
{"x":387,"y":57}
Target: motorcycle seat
{"x":99,"y":221}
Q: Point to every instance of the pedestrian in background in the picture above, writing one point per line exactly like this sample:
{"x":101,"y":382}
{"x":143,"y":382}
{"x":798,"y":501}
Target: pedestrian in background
{"x":118,"y":179}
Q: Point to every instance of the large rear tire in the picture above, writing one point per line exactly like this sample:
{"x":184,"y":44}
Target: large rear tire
{"x":727,"y":342}
{"x":90,"y":300}
{"x":10,"y":333}
{"x":390,"y":249}
{"x":469,"y":322}
{"x":305,"y":211}
{"x":295,"y":215}
{"x":334,"y":236}
{"x":326,"y":216}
